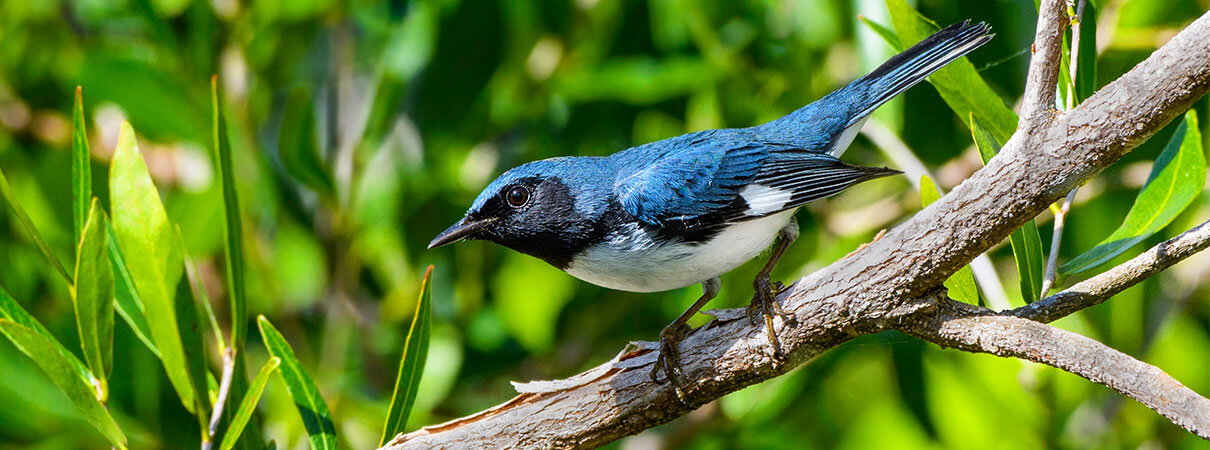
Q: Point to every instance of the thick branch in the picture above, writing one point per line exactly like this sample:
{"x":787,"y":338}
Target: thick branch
{"x":1096,"y":290}
{"x":874,"y":289}
{"x":1038,"y":103}
{"x":974,"y":329}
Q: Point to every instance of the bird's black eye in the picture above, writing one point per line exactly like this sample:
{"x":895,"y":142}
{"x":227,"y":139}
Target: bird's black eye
{"x":517,"y":196}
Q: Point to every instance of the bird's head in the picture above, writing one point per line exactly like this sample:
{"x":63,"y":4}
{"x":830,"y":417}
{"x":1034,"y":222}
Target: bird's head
{"x":546,"y":208}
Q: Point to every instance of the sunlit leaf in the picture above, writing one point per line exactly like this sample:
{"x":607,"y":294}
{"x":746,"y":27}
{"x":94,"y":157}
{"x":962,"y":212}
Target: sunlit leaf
{"x":961,"y":284}
{"x":126,"y":298}
{"x":1177,"y":177}
{"x":63,"y":368}
{"x":1025,"y":241}
{"x":93,"y":297}
{"x":299,"y":146}
{"x":315,"y":415}
{"x":248,"y":405}
{"x":153,"y":256}
{"x":411,"y":366}
{"x":959,"y":84}
{"x":29,"y":227}
{"x":81,"y":166}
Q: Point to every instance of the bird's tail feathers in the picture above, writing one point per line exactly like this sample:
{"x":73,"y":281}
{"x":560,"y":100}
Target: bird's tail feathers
{"x":915,"y":64}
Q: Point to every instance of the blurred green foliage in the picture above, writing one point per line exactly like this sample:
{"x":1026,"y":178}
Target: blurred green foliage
{"x":358,"y":130}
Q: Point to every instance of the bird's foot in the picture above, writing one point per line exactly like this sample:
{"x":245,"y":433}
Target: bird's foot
{"x":669,"y":360}
{"x":764,"y":305}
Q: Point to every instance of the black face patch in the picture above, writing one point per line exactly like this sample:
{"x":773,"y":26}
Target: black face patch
{"x":548,"y":226}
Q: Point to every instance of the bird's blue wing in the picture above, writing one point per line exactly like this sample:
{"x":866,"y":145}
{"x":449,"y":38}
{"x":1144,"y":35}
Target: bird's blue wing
{"x":699,"y":179}
{"x":717,"y":182}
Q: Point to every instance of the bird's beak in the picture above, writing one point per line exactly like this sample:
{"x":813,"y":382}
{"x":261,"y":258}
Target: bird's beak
{"x":459,"y":231}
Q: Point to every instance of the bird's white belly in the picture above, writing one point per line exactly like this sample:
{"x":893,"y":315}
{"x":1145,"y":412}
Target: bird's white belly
{"x":630,"y":260}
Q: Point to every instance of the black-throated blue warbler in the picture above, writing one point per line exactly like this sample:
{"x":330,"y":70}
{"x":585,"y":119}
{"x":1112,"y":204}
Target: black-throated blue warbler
{"x":688,"y":209}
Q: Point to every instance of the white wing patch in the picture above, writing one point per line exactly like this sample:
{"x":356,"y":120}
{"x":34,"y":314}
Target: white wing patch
{"x":763,"y":199}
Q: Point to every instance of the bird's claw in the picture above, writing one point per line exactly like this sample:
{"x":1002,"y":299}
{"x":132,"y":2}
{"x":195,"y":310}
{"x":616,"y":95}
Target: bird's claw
{"x":764,"y":305}
{"x":669,"y":359}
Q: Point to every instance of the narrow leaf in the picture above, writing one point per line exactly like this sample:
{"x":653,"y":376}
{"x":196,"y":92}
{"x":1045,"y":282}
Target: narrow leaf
{"x":93,"y":296}
{"x":1025,"y":241}
{"x":81,"y":166}
{"x":1086,"y":68}
{"x":126,"y":298}
{"x":28,"y":225}
{"x":887,"y":34}
{"x":961,"y":284}
{"x":299,"y":147}
{"x":311,"y":406}
{"x":153,"y":256}
{"x":1177,"y":177}
{"x":194,"y":347}
{"x":233,"y":233}
{"x":411,"y":365}
{"x":248,"y":405}
{"x":11,"y":310}
{"x":958,"y":82}
{"x":58,"y":364}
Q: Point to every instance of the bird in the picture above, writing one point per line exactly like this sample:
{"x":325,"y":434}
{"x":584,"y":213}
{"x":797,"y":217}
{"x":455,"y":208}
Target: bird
{"x":688,"y":209}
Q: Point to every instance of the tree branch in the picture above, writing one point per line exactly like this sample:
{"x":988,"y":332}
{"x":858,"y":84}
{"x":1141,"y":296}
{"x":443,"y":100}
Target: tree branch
{"x":1038,"y":103}
{"x":974,"y":329}
{"x":1096,"y":290}
{"x":878,"y":288}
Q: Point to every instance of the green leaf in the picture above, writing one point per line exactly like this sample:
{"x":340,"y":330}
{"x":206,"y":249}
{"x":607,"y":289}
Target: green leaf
{"x":887,"y":34}
{"x":63,"y":368}
{"x":248,"y":405}
{"x":56,"y":362}
{"x":1177,"y":177}
{"x":126,"y":297}
{"x":1025,"y":241}
{"x":411,"y":366}
{"x":311,"y":406}
{"x":961,"y":284}
{"x":234,"y":232}
{"x":93,"y":297}
{"x":958,"y":82}
{"x":299,"y":146}
{"x":1086,"y":68}
{"x":28,"y":225}
{"x":81,"y":166}
{"x":153,"y":255}
{"x":11,"y":310}
{"x":194,"y":347}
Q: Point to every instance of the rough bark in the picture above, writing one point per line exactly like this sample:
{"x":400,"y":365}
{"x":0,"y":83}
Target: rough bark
{"x":889,"y":284}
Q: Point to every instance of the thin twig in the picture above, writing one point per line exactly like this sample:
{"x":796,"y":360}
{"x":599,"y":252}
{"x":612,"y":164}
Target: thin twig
{"x":223,"y":388}
{"x":1097,"y":289}
{"x":1052,"y":260}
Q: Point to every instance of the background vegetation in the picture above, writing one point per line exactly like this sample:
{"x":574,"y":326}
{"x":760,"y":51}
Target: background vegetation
{"x":359,"y":130}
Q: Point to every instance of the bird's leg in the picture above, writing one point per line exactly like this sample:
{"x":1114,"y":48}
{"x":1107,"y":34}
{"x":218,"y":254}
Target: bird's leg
{"x":764,"y":302}
{"x":670,"y":355}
